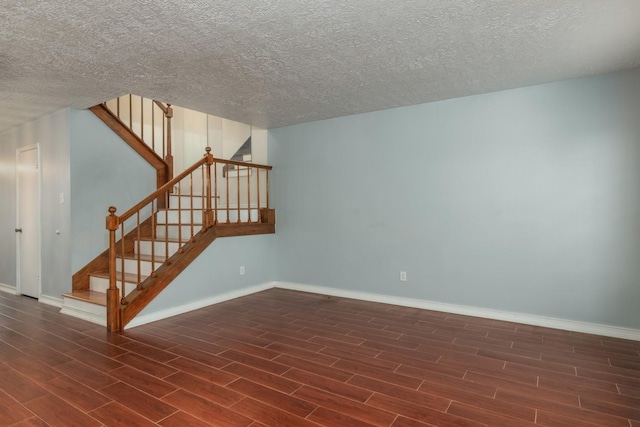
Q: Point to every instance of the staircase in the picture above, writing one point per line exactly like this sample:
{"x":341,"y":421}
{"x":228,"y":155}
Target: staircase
{"x":151,"y":243}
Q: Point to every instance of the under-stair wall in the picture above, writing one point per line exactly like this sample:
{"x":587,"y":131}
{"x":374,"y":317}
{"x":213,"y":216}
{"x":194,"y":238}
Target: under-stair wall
{"x":215,"y":275}
{"x":104,"y":172}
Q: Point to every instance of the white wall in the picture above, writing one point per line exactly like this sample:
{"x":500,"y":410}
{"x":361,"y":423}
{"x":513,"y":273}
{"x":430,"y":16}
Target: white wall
{"x":52,"y":133}
{"x":193,"y":131}
{"x":525,"y":200}
{"x":189,"y":137}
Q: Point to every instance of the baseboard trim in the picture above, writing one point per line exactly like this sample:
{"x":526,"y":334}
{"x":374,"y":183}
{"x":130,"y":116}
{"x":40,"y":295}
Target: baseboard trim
{"x":8,"y":289}
{"x":174,"y":311}
{"x":45,"y":299}
{"x":547,"y":322}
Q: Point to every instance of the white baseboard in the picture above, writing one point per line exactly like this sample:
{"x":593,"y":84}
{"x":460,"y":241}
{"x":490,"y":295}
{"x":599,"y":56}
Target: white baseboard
{"x":174,"y":311}
{"x":45,"y":299}
{"x":547,"y":322}
{"x":8,"y":289}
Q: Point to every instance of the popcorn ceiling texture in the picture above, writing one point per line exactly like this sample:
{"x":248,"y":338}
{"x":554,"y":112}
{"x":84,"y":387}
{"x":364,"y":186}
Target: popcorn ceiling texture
{"x":273,"y":63}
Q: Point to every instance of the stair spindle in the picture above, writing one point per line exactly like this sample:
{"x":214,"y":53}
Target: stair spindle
{"x":215,"y":192}
{"x":207,"y":194}
{"x":138,"y":259}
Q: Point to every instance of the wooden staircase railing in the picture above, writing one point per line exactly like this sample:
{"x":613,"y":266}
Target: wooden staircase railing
{"x":149,"y":120}
{"x":150,"y":243}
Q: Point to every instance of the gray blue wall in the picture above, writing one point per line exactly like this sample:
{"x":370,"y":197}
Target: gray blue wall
{"x":104,"y":172}
{"x":526,"y":201}
{"x":217,"y":271}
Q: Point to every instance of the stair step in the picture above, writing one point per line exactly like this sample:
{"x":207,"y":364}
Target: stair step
{"x":171,"y":231}
{"x":94,"y":297}
{"x":197,"y":202}
{"x":185,"y":216}
{"x":99,"y":281}
{"x":146,"y":264}
{"x":128,"y":277}
{"x":160,"y":247}
{"x":87,"y":305}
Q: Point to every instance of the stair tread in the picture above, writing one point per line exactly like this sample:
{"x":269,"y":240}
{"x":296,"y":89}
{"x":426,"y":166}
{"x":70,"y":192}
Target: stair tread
{"x":182,"y":208}
{"x":151,"y":239}
{"x":159,"y":259}
{"x":184,"y":224}
{"x":128,"y":277}
{"x":94,"y":297}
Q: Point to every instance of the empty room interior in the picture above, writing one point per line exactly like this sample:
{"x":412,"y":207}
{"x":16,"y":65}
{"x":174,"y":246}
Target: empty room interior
{"x":300,"y":213}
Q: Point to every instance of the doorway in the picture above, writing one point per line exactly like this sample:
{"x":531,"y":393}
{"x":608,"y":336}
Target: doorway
{"x":28,"y":221}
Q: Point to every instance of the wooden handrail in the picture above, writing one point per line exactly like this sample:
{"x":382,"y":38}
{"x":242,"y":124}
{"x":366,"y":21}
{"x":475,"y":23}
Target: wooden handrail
{"x":244,"y":164}
{"x":164,"y":108}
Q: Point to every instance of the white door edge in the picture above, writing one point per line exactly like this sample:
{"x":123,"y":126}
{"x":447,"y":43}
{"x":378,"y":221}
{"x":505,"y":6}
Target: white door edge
{"x":20,"y":150}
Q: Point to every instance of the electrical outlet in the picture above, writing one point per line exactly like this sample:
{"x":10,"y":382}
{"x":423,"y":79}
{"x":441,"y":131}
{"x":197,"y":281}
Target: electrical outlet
{"x":242,"y":270}
{"x":403,"y":276}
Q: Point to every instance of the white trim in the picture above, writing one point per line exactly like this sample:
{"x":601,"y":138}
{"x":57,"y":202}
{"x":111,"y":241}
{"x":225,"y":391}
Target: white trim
{"x":46,"y":299}
{"x":8,"y":289}
{"x":547,"y":322}
{"x":20,"y":150}
{"x":174,"y":311}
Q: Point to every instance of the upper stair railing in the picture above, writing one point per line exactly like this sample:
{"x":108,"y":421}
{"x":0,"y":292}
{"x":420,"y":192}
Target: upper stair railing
{"x":149,"y":120}
{"x":151,"y":237}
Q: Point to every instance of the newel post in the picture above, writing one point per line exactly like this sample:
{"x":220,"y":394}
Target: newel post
{"x":114,"y":320}
{"x":169,"y":159}
{"x":209,"y":220}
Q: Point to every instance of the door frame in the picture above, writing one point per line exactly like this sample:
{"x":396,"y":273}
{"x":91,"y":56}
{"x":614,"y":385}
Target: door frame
{"x":20,"y":150}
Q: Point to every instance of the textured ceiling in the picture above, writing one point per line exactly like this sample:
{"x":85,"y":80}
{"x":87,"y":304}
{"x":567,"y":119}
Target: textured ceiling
{"x":273,"y":63}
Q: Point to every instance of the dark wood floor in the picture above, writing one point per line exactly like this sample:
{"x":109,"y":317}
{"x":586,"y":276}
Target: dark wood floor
{"x":283,"y":358}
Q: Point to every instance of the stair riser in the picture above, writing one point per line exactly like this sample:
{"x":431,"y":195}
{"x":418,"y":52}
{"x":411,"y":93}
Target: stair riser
{"x":186,"y":202}
{"x":131,"y":266}
{"x":159,"y":248}
{"x":184,"y":216}
{"x":101,"y":284}
{"x":85,"y":310}
{"x":199,"y":204}
{"x":171,"y":232}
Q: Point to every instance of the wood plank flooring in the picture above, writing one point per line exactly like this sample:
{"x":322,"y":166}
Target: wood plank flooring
{"x":282,"y":358}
